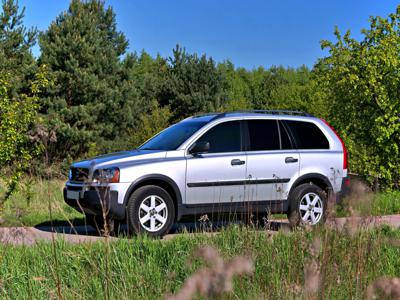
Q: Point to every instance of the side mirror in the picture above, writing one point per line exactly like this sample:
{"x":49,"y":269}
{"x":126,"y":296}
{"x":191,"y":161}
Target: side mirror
{"x":199,"y":148}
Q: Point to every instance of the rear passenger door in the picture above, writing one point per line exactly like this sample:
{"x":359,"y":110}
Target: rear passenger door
{"x":313,"y":148}
{"x":271,"y":160}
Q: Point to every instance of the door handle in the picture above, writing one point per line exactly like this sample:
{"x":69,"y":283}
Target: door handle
{"x":289,"y":160}
{"x":237,"y":162}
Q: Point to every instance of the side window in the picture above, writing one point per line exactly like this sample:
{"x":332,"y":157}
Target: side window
{"x":307,"y":135}
{"x":264,"y":135}
{"x":224,"y":137}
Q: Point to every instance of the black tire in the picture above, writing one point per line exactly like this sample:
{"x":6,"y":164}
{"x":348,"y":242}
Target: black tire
{"x":295,"y":214}
{"x":97,"y":222}
{"x":133,"y":210}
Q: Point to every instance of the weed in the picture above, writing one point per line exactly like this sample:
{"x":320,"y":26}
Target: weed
{"x":215,"y":279}
{"x":384,"y":287}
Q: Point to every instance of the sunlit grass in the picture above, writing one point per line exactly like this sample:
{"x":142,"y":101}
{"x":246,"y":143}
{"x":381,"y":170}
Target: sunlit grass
{"x":29,"y":206}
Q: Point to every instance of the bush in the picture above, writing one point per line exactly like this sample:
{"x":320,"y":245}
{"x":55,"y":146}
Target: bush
{"x":17,"y":116}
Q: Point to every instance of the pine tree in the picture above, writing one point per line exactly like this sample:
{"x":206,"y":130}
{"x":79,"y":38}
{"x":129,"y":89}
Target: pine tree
{"x":194,"y":84}
{"x":16,"y":60}
{"x":94,"y":99}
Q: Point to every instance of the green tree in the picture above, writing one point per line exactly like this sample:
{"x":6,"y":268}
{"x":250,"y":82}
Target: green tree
{"x":236,"y":86}
{"x":194,"y":85}
{"x":273,"y":88}
{"x":150,"y":76}
{"x":94,"y":98}
{"x":20,"y":85}
{"x":362,"y":82}
{"x":15,"y":48}
{"x":151,"y":123}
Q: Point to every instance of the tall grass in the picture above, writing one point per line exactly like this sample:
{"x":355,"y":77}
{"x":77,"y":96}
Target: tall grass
{"x":29,"y":206}
{"x":141,"y":268}
{"x":304,"y":263}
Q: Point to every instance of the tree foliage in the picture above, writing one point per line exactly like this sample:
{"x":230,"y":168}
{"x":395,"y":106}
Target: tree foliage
{"x":17,"y":116}
{"x":94,"y":97}
{"x":20,"y":84}
{"x":362,"y":81}
{"x":193,"y":84}
{"x":151,"y":123}
{"x":15,"y":43}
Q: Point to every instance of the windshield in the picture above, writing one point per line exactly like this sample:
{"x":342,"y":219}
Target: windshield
{"x":172,"y":137}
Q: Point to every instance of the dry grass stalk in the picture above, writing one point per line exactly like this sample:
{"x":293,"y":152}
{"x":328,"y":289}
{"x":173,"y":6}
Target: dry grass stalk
{"x":385,"y":287}
{"x":214,"y":279}
{"x":312,"y":271}
{"x":357,"y":205}
{"x":205,"y":223}
{"x":268,"y":219}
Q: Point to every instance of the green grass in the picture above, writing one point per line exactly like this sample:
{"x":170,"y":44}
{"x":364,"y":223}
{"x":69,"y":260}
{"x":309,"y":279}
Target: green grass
{"x":140,"y":268}
{"x":386,"y":203}
{"x":30,"y":205}
{"x":369,"y":204}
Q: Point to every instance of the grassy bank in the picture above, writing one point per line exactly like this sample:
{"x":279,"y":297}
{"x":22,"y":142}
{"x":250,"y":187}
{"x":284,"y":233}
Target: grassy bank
{"x":140,"y":268}
{"x":30,"y":205}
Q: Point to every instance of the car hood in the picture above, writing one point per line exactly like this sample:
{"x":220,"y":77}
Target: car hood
{"x":120,"y":158}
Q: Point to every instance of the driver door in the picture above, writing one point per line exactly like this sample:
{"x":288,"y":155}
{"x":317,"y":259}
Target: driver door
{"x":218,"y":176}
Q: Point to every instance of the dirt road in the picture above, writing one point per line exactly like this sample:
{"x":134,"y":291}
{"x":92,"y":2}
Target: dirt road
{"x":84,"y":234}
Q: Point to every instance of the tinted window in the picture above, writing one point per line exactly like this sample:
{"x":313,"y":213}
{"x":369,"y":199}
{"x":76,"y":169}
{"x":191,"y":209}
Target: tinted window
{"x":263,"y":135}
{"x":285,"y":140}
{"x":172,"y":137}
{"x":224,"y":137}
{"x":307,"y":135}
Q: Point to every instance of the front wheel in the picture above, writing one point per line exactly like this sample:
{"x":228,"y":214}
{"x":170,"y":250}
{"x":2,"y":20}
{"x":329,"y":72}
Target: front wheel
{"x":151,"y":210}
{"x":308,"y":205}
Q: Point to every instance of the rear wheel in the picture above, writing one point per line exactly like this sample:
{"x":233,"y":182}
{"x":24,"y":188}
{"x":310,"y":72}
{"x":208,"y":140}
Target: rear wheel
{"x":150,"y":210}
{"x":307,"y":205}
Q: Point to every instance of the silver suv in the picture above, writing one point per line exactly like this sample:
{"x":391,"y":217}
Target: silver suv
{"x":234,"y":162}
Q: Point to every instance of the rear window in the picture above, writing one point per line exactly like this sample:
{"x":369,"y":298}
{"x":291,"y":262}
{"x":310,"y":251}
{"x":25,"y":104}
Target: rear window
{"x":307,"y":135}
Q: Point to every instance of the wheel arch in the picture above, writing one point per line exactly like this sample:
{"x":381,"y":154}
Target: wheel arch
{"x":314,"y":178}
{"x":162,"y":181}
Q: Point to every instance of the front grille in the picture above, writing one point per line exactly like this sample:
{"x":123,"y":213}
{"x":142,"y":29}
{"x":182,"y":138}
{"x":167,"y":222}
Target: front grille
{"x":79,"y":174}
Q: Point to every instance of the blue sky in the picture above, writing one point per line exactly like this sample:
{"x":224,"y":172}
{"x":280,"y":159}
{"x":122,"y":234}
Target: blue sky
{"x":250,"y":33}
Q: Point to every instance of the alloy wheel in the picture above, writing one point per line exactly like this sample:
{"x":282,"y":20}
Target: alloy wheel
{"x":153,"y":213}
{"x":311,"y":208}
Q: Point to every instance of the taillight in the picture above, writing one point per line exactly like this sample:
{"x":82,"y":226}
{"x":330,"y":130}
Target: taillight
{"x":343,"y":145}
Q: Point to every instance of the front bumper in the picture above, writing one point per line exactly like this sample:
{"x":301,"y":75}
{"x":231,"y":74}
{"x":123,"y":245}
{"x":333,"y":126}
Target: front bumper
{"x":96,"y":200}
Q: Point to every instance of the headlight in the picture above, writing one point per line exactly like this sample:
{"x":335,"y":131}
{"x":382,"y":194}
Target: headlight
{"x":110,"y":175}
{"x":70,"y":174}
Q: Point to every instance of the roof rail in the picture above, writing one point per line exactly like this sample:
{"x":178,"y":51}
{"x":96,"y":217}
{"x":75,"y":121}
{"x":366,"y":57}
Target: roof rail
{"x":198,"y":115}
{"x":269,"y":112}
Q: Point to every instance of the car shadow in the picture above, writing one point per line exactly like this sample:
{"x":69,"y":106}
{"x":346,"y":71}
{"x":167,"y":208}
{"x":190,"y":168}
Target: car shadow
{"x":79,"y":226}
